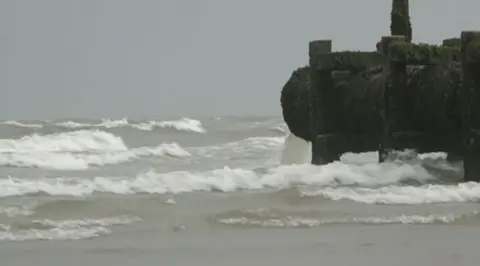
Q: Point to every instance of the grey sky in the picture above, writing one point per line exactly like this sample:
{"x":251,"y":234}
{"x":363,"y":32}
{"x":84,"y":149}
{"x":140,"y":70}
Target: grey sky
{"x":114,"y":58}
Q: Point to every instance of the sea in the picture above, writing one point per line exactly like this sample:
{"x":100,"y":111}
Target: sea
{"x":222,"y":191}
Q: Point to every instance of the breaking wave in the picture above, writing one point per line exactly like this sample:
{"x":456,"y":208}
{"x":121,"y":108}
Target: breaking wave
{"x":425,"y":194}
{"x":385,"y":183}
{"x":77,"y":150}
{"x":410,"y":179}
{"x":76,"y":141}
{"x":356,"y":177}
{"x":254,"y":159}
{"x":81,"y":149}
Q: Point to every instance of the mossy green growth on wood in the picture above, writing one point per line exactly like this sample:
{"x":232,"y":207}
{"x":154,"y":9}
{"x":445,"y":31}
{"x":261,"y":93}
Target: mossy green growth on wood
{"x":361,"y":101}
{"x":400,"y":19}
{"x":348,"y":60}
{"x":436,"y":98}
{"x":452,"y":42}
{"x":319,"y":47}
{"x":473,"y":52}
{"x":422,"y":54}
{"x":295,"y":101}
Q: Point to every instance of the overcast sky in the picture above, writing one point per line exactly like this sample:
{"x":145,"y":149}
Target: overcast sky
{"x":115,"y":58}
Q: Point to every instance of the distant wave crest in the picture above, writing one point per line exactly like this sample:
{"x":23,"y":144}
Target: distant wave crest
{"x":184,"y":124}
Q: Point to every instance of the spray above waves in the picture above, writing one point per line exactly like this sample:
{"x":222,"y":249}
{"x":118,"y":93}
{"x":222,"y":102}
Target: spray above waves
{"x":295,"y":150}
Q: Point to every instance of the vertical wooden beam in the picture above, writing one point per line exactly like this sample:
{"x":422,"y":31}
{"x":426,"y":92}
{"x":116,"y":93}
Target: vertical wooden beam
{"x":320,"y":85}
{"x":470,"y":50}
{"x":400,"y":19}
{"x":393,"y":101}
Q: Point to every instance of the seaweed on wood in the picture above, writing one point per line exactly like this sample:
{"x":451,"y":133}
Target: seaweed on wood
{"x":422,"y":54}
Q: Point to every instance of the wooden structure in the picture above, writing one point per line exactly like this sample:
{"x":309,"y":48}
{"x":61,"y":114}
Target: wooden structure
{"x":402,"y":95}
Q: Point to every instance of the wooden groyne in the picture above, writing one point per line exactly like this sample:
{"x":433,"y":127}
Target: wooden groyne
{"x":400,"y":95}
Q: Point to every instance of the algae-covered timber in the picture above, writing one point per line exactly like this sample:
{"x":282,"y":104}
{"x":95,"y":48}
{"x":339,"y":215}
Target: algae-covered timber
{"x":451,"y":42}
{"x":348,"y":60}
{"x":422,"y":54}
{"x":403,"y":95}
{"x":470,"y":90}
{"x":295,"y":101}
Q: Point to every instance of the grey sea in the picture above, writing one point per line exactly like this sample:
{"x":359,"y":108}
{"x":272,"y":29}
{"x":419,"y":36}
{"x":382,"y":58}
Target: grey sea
{"x":221,"y":191}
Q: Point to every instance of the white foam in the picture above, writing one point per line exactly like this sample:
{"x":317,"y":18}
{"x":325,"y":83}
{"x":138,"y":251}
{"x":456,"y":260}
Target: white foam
{"x":72,"y":125}
{"x":282,"y":128}
{"x":108,"y":123}
{"x":150,"y":182}
{"x":353,"y":170}
{"x":313,"y":222}
{"x":18,"y":210}
{"x":75,"y":141}
{"x":77,"y":150}
{"x":463,"y":192}
{"x":19,"y":124}
{"x":54,"y":234}
{"x":184,"y":124}
{"x":64,"y":229}
{"x":224,"y":179}
{"x":245,"y":146}
{"x":82,"y":161}
{"x":75,"y":223}
{"x":105,"y":123}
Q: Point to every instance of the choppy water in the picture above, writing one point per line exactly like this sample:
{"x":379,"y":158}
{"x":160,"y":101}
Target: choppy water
{"x":221,"y":191}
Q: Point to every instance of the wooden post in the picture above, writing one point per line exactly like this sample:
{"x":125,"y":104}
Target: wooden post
{"x":393,"y":100}
{"x":400,"y":19}
{"x":319,"y":47}
{"x":320,"y":84}
{"x":470,"y":50}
